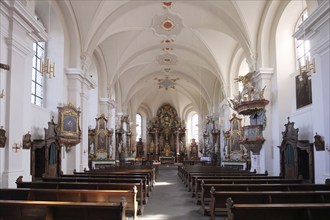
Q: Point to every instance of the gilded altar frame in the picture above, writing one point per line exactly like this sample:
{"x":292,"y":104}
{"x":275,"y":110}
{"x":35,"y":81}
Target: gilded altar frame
{"x":68,"y":128}
{"x":100,"y":141}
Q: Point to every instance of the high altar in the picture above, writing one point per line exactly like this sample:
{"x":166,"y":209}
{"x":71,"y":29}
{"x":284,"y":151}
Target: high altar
{"x":166,"y":136}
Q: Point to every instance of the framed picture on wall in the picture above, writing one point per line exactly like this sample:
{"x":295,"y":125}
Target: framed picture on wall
{"x":68,"y":128}
{"x":303,"y":90}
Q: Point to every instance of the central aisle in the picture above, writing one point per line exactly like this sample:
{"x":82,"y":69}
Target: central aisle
{"x":170,"y":199}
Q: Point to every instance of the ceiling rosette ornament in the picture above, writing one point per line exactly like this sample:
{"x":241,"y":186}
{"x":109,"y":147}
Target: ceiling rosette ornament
{"x":167,"y":70}
{"x":166,"y":83}
{"x":167,"y":24}
{"x":167,"y":45}
{"x":167,"y":59}
{"x":167,"y":5}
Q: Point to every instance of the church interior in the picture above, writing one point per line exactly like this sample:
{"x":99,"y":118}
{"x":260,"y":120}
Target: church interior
{"x":127,"y":96}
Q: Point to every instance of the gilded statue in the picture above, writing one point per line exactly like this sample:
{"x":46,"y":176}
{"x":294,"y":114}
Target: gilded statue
{"x":167,"y":150}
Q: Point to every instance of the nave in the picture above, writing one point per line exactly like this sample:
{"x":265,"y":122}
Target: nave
{"x":170,"y":199}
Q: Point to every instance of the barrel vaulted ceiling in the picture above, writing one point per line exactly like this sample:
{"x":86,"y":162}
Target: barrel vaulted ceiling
{"x":185,"y":53}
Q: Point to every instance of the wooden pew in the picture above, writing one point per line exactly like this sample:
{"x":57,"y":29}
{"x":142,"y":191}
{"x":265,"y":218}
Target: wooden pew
{"x":206,"y":188}
{"x":198,"y":189}
{"x":82,"y":196}
{"x":90,"y":186}
{"x":146,"y":188}
{"x":55,"y":210}
{"x":218,"y":199}
{"x":145,"y":176}
{"x":196,"y":180}
{"x":283,"y":211}
{"x":150,"y":170}
{"x":186,"y":171}
{"x":217,"y":171}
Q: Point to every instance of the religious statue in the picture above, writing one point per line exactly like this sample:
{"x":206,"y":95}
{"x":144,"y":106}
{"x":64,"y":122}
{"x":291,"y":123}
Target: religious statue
{"x":3,"y":137}
{"x":167,"y":150}
{"x":139,"y":148}
{"x":27,"y":143}
{"x":194,"y":148}
{"x":151,"y":147}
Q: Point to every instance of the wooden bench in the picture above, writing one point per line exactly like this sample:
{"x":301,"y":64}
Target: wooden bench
{"x":150,"y":170}
{"x":56,"y":210}
{"x":283,"y":211}
{"x":185,"y":171}
{"x":198,"y":189}
{"x":141,"y":199}
{"x":218,"y":199}
{"x":206,"y":188}
{"x":196,"y":180}
{"x":145,"y":176}
{"x":82,"y":196}
{"x":217,"y":172}
{"x":146,"y":188}
{"x":227,"y":175}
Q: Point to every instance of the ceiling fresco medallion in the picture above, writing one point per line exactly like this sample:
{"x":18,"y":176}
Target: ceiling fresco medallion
{"x":167,"y":45}
{"x":167,"y":24}
{"x":167,"y":4}
{"x":166,"y":83}
{"x":166,"y":70}
{"x":167,"y":59}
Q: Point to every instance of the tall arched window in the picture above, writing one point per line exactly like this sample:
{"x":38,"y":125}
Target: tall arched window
{"x":138,"y":127}
{"x":302,"y":46}
{"x":303,"y":81}
{"x":194,"y":127}
{"x":37,"y":77}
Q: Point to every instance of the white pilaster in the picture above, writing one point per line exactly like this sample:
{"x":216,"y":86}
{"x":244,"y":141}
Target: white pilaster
{"x":78,"y":87}
{"x":262,"y":79}
{"x":316,"y":29}
{"x":21,"y":30}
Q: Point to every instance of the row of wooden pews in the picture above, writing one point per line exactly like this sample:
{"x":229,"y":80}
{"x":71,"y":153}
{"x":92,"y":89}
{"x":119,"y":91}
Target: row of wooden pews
{"x":254,"y":196}
{"x":126,"y":188}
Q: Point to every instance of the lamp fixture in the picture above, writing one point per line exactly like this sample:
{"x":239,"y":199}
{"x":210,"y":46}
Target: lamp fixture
{"x":47,"y":68}
{"x":2,"y":94}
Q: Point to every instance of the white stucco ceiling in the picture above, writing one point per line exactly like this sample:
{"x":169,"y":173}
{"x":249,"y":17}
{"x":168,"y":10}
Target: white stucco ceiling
{"x":205,"y":37}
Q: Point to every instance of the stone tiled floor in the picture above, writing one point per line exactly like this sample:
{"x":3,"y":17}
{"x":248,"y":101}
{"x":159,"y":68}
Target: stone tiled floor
{"x":170,"y":199}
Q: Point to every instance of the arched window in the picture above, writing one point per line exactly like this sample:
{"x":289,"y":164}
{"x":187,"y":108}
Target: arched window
{"x":138,"y":122}
{"x":194,"y":126}
{"x":37,"y":77}
{"x":302,"y":46}
{"x":303,"y":81}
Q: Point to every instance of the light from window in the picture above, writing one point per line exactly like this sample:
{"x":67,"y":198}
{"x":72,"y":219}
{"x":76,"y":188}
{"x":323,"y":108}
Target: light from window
{"x":194,"y":127}
{"x":138,"y":127}
{"x":37,"y":77}
{"x":302,"y":46}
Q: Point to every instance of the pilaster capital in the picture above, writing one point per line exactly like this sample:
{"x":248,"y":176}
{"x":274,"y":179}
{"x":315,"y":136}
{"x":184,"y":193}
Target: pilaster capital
{"x":74,"y":74}
{"x":86,"y":61}
{"x":315,"y":21}
{"x":104,"y":101}
{"x":18,"y":46}
{"x":264,"y":74}
{"x":77,"y":74}
{"x":18,"y":13}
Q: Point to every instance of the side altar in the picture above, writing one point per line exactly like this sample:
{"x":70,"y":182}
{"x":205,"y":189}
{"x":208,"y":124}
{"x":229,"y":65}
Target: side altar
{"x":100,"y":149}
